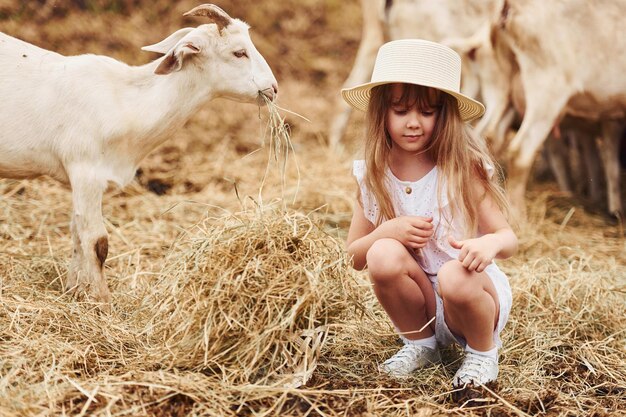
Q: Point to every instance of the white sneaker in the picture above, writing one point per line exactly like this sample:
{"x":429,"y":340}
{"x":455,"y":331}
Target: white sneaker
{"x":408,"y":359}
{"x":476,"y":370}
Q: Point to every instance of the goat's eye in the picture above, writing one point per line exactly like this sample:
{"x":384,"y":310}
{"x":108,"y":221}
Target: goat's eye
{"x":241,"y":53}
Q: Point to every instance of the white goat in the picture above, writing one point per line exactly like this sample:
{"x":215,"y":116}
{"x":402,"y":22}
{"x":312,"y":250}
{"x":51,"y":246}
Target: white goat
{"x":89,"y":120}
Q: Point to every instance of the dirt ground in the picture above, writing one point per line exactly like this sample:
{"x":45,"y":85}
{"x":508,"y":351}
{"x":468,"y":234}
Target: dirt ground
{"x":178,"y":342}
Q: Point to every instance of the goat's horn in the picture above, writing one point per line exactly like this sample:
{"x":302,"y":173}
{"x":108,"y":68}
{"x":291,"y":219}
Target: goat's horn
{"x":213,"y":13}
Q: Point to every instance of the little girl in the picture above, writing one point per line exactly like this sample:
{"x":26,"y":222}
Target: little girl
{"x":429,"y":220}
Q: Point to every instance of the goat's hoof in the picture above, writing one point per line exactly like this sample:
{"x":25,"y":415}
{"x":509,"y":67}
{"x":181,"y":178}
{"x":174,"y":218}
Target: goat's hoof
{"x":89,"y":293}
{"x":618,"y":216}
{"x":76,"y":291}
{"x":102,"y":296}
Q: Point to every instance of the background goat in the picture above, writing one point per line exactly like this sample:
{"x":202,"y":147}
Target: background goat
{"x":89,"y":120}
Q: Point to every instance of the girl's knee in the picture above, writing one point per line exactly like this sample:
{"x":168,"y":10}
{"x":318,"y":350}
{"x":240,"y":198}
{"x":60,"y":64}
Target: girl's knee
{"x":457,"y":285}
{"x":386,"y":260}
{"x":452,"y":272}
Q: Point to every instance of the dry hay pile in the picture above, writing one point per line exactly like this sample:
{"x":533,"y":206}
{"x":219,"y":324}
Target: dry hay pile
{"x":253,"y":299}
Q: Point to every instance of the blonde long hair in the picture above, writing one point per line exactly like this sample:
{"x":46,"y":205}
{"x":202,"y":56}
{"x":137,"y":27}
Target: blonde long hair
{"x":461,"y":156}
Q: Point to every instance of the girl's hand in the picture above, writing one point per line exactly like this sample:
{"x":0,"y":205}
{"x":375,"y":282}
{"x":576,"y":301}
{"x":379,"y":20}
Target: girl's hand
{"x":412,"y":231}
{"x":476,"y":254}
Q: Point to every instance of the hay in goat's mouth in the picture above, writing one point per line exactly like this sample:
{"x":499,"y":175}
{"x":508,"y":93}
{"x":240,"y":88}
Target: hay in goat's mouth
{"x":280,"y":143}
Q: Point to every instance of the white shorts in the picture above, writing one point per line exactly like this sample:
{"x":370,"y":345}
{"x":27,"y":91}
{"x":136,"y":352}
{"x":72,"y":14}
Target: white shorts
{"x":501,"y":283}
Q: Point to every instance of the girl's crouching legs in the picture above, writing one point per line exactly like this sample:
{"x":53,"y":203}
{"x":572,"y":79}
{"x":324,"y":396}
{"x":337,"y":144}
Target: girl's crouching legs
{"x":471,"y":310}
{"x":470,"y":304}
{"x":402,"y":287}
{"x":406,"y":294}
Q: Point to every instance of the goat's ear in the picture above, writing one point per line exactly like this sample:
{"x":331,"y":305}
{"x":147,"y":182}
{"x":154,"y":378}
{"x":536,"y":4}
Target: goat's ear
{"x":213,"y":13}
{"x":173,"y":61}
{"x":168,"y":43}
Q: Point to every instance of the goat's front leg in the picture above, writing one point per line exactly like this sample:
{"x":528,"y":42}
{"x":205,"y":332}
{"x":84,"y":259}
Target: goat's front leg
{"x":89,"y":236}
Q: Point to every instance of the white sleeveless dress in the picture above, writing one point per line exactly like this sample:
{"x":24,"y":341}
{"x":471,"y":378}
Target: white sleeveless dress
{"x":419,"y":198}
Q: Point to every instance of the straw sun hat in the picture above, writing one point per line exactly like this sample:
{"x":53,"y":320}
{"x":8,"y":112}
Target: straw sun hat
{"x":416,"y":61}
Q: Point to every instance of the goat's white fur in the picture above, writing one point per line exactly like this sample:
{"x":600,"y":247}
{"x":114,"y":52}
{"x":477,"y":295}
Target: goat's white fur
{"x":89,"y":120}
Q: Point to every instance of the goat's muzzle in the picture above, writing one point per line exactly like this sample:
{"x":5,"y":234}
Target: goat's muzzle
{"x":270,"y":93}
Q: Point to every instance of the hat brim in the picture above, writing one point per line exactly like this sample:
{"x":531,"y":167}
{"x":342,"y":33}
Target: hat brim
{"x":359,"y":97}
